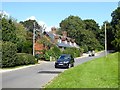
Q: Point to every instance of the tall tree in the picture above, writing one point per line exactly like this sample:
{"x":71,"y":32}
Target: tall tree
{"x":73,"y":25}
{"x":29,"y":25}
{"x":76,"y":29}
{"x":8,"y":30}
{"x":91,"y":25}
{"x":116,"y":28}
{"x":21,"y":34}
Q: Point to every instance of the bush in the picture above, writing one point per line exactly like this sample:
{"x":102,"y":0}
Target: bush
{"x":56,"y":52}
{"x":52,"y":52}
{"x":9,"y":54}
{"x":25,"y":59}
{"x":75,"y":52}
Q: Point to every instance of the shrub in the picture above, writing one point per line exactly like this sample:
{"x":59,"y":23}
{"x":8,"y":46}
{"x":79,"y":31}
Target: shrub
{"x":56,"y":52}
{"x":53,"y":52}
{"x":9,"y":54}
{"x":75,"y":52}
{"x":25,"y":59}
{"x":48,"y":53}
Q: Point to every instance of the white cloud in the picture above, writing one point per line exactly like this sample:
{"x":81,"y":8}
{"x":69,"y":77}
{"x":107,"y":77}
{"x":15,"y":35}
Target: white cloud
{"x":4,"y":13}
{"x":42,"y":23}
{"x":31,"y":18}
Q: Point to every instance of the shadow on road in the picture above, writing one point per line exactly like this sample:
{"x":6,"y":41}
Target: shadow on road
{"x":50,"y":72}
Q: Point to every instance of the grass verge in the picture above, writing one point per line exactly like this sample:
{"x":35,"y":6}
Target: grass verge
{"x":98,"y":73}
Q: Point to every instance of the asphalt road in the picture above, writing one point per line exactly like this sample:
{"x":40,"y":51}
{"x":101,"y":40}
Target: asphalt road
{"x":37,"y":76}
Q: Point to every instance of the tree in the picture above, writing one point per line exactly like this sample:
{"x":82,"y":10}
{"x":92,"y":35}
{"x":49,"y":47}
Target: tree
{"x":9,"y":54}
{"x":85,"y":36}
{"x":110,"y":35}
{"x":91,"y":25}
{"x":8,"y":30}
{"x":72,"y":24}
{"x":116,"y":28}
{"x":21,"y":34}
{"x":29,"y":25}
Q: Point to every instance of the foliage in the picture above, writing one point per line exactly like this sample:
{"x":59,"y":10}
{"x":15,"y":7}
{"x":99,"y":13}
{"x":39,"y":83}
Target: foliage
{"x":21,"y":36}
{"x":98,"y":73}
{"x":75,"y":52}
{"x":27,"y":47}
{"x":9,"y":54}
{"x":110,"y":35}
{"x":25,"y":59}
{"x":29,"y":24}
{"x":84,"y":32}
{"x":14,"y":32}
{"x":91,"y":25}
{"x":116,"y":25}
{"x":8,"y":30}
{"x":52,"y":52}
{"x":73,"y":25}
{"x":48,"y":54}
{"x":46,"y":42}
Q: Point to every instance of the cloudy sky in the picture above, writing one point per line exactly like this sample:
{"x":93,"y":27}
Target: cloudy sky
{"x":52,"y":13}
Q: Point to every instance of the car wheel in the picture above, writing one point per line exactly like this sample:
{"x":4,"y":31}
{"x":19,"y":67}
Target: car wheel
{"x":55,"y":66}
{"x":72,"y":65}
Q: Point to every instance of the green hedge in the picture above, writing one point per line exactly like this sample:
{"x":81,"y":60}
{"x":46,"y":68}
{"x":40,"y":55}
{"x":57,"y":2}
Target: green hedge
{"x":25,"y":59}
{"x":53,"y":52}
{"x":9,"y":54}
{"x":75,"y":52}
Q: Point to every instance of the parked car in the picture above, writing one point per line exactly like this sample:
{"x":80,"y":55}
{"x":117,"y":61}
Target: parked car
{"x":91,"y":53}
{"x":65,"y":60}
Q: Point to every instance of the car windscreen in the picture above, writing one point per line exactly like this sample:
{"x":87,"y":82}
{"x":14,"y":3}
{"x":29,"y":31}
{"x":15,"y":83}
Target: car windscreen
{"x":63,"y":57}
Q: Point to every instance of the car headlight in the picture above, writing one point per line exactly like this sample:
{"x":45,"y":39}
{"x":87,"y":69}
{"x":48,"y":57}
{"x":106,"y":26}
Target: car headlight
{"x":66,"y":62}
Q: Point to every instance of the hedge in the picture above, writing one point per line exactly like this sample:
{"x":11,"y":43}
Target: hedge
{"x":9,"y":54}
{"x":52,"y":52}
{"x":25,"y":59}
{"x":75,"y":52}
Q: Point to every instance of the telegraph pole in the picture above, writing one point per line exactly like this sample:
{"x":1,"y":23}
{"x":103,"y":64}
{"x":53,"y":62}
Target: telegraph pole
{"x":105,"y":41}
{"x":33,"y":39}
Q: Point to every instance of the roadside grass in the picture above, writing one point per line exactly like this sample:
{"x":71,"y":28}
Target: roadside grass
{"x":98,"y":73}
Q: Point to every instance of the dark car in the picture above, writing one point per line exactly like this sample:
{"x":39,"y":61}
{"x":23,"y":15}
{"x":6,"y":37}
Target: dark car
{"x":65,"y":60}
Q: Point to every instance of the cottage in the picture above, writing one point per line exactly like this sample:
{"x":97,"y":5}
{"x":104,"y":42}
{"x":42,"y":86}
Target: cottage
{"x":62,"y":41}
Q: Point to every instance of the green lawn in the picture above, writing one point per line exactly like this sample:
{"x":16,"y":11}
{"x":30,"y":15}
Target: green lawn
{"x":98,"y":73}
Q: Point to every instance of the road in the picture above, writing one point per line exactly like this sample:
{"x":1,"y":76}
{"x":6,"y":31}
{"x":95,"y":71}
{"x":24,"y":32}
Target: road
{"x":37,"y":76}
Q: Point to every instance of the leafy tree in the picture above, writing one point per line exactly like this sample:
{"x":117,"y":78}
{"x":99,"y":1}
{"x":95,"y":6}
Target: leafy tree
{"x":21,"y":34}
{"x":91,"y":25}
{"x":9,"y":54}
{"x":27,"y":47}
{"x":85,"y":36}
{"x":73,"y":25}
{"x":29,"y":25}
{"x":8,"y":30}
{"x":116,"y":28}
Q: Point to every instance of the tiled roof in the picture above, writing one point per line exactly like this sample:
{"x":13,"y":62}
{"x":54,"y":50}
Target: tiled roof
{"x":62,"y":44}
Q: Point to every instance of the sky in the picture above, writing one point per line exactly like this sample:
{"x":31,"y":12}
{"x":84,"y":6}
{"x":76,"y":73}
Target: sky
{"x":52,"y":13}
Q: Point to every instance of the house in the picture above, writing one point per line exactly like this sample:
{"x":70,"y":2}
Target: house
{"x":62,"y":41}
{"x":38,"y":48}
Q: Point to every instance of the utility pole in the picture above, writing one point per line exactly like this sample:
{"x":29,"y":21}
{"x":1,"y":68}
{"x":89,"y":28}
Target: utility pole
{"x":33,"y":39}
{"x":105,"y":41}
